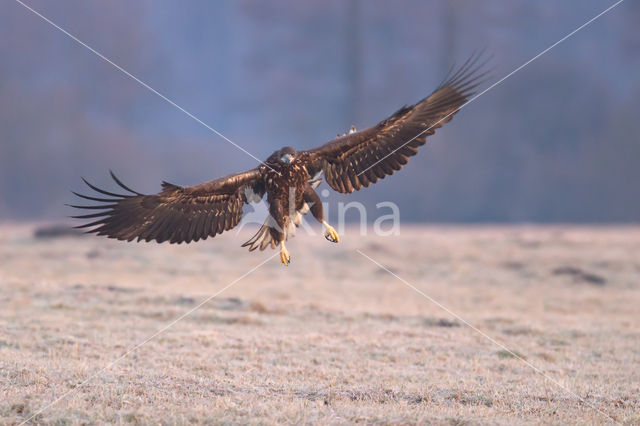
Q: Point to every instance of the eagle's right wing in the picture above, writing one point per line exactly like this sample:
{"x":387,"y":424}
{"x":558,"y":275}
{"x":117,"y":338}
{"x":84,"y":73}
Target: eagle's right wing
{"x":178,"y":213}
{"x":359,"y":159}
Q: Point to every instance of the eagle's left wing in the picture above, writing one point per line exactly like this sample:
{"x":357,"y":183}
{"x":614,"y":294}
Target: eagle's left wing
{"x":176,"y":214}
{"x":361,"y":158}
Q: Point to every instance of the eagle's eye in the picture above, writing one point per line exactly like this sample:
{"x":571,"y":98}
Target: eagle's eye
{"x":286,"y":158}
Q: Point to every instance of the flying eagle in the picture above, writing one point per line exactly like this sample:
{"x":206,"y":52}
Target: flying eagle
{"x":349,"y":162}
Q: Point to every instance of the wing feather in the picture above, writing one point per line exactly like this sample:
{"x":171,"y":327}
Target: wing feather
{"x":359,"y":159}
{"x":176,"y":214}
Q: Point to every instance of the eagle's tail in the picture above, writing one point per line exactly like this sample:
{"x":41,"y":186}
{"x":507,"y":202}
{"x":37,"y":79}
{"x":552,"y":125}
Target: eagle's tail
{"x":262,"y":239}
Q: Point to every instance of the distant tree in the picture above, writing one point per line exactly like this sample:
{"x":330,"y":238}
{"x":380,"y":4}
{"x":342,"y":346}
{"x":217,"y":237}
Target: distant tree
{"x":352,"y":60}
{"x":449,"y":33}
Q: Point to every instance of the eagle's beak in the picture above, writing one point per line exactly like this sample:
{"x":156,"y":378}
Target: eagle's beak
{"x":287,"y":158}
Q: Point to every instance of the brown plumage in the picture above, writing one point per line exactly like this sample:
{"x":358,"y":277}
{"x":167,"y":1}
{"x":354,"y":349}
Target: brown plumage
{"x":183,"y":214}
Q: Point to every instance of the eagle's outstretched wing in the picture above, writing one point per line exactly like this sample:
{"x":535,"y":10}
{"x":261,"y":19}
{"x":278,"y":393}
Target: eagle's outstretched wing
{"x":177,"y":214}
{"x":361,"y":158}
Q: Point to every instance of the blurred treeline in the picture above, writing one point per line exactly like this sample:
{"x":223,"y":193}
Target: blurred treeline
{"x":557,"y":142}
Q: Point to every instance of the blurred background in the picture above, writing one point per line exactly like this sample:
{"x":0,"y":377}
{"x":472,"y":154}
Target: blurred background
{"x":557,"y":142}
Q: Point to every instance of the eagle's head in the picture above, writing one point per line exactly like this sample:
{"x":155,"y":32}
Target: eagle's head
{"x":283,"y":156}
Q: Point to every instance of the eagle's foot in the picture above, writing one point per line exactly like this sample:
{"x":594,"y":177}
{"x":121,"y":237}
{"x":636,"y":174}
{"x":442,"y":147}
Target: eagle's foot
{"x":285,"y":257}
{"x":330,"y":233}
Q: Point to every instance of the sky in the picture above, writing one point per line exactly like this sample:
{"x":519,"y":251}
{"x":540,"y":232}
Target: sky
{"x":555,"y":142}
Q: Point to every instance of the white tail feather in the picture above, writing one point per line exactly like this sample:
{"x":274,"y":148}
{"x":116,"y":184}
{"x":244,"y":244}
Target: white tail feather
{"x":263,"y":239}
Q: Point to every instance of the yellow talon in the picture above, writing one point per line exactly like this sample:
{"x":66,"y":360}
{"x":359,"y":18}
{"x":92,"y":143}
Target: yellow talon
{"x":330,"y":233}
{"x":285,"y":258}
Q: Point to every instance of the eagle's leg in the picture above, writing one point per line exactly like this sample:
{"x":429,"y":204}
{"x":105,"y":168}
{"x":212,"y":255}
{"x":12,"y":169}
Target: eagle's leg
{"x":330,"y":233}
{"x":313,"y":200}
{"x":285,"y":258}
{"x":278,"y":229}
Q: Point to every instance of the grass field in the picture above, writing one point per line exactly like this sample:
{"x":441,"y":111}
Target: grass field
{"x":331,"y":339}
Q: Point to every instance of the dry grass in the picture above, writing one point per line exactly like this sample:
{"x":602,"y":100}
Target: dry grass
{"x":332,"y":338}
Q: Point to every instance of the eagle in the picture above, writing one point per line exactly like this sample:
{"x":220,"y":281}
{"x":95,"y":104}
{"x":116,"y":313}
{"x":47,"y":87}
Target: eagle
{"x":288,"y":177}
